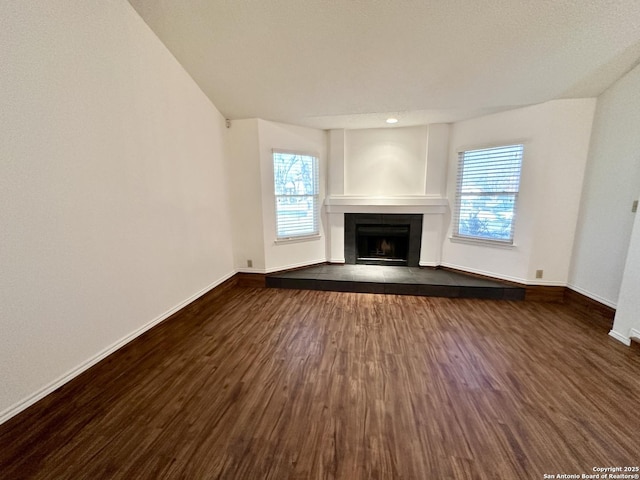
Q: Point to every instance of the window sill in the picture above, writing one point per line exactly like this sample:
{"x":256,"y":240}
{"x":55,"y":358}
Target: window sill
{"x":305,"y":238}
{"x":482,"y":243}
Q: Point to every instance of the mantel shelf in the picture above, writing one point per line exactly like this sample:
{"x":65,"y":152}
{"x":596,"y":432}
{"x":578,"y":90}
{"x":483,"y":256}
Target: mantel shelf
{"x":405,"y":204}
{"x":413,"y":200}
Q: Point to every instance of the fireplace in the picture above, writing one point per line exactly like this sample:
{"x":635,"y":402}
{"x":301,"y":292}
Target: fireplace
{"x":382,"y":244}
{"x":382,"y":239}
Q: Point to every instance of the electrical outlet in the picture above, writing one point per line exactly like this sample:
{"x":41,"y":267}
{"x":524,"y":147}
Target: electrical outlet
{"x":249,"y":263}
{"x":539,"y":273}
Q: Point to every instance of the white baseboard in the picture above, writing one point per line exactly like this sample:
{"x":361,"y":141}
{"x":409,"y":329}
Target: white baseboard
{"x":250,"y":270}
{"x":545,"y":283}
{"x":295,"y":265}
{"x":74,"y":372}
{"x":337,"y":260}
{"x":634,"y":334}
{"x":621,"y":338}
{"x":265,"y":271}
{"x":523,"y":281}
{"x":592,"y":296}
{"x":429,"y":264}
{"x":485,"y":273}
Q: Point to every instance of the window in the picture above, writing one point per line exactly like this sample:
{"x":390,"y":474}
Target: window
{"x":487,"y":191}
{"x":296,"y":188}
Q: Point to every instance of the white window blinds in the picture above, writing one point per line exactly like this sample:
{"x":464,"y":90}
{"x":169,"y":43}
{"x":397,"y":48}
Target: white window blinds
{"x":487,"y":191}
{"x":296,"y":190}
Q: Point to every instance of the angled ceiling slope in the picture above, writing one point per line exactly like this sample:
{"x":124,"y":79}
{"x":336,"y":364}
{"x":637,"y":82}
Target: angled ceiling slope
{"x":337,"y":64}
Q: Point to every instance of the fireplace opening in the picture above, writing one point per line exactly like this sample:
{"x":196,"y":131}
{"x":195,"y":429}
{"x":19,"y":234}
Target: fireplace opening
{"x":382,"y":244}
{"x":382,"y":238}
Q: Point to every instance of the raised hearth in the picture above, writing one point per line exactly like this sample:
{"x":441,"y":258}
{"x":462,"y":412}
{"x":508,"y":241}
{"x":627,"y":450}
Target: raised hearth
{"x":394,"y":280}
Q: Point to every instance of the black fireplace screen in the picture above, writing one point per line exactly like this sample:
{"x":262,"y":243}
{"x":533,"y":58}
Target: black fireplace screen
{"x":382,"y":244}
{"x":383,"y":239}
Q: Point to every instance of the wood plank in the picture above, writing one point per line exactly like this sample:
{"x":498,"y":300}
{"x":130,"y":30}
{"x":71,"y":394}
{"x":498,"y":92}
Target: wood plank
{"x":290,"y":384}
{"x":543,"y":293}
{"x":588,"y":305}
{"x":250,"y":280}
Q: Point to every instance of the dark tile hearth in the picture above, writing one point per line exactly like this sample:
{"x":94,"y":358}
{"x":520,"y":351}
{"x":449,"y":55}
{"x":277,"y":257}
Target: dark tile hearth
{"x":394,"y":280}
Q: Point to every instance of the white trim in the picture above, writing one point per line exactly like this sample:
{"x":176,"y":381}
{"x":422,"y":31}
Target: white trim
{"x":487,"y":274}
{"x":250,"y":270}
{"x":486,"y":146}
{"x":420,"y":209}
{"x":634,"y":334}
{"x":491,"y":161}
{"x":74,"y":372}
{"x":423,"y":204}
{"x":482,"y":242}
{"x":499,"y":276}
{"x":266,"y":271}
{"x":295,"y":265}
{"x":395,"y":201}
{"x":295,"y":152}
{"x":429,"y":264}
{"x":621,"y":338}
{"x":337,"y":260}
{"x":592,"y":296}
{"x":301,"y":238}
{"x":317,"y":210}
{"x":545,"y":283}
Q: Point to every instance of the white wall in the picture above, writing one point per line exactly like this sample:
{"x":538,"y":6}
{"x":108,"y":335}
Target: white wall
{"x":627,"y":319}
{"x":388,"y":170}
{"x":250,"y":145}
{"x":114,"y":208}
{"x":245,"y":192}
{"x":437,"y":155}
{"x":385,"y":161}
{"x":611,"y":184}
{"x":556,"y":138}
{"x":294,"y":253}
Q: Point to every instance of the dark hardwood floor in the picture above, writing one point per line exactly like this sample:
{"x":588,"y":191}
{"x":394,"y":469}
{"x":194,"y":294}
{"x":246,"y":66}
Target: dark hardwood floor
{"x":251,"y":383}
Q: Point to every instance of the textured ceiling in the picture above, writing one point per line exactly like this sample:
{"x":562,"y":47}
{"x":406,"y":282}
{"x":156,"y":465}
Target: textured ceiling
{"x":351,"y":63}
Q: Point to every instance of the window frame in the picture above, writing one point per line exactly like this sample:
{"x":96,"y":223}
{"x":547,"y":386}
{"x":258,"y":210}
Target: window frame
{"x":315,"y":197}
{"x":488,"y":240}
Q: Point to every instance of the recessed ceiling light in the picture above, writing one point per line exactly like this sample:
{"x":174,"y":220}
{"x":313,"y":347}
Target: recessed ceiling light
{"x":392,"y":120}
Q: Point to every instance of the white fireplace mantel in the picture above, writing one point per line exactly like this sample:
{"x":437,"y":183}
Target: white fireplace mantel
{"x":425,"y":204}
{"x":433,"y":208}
